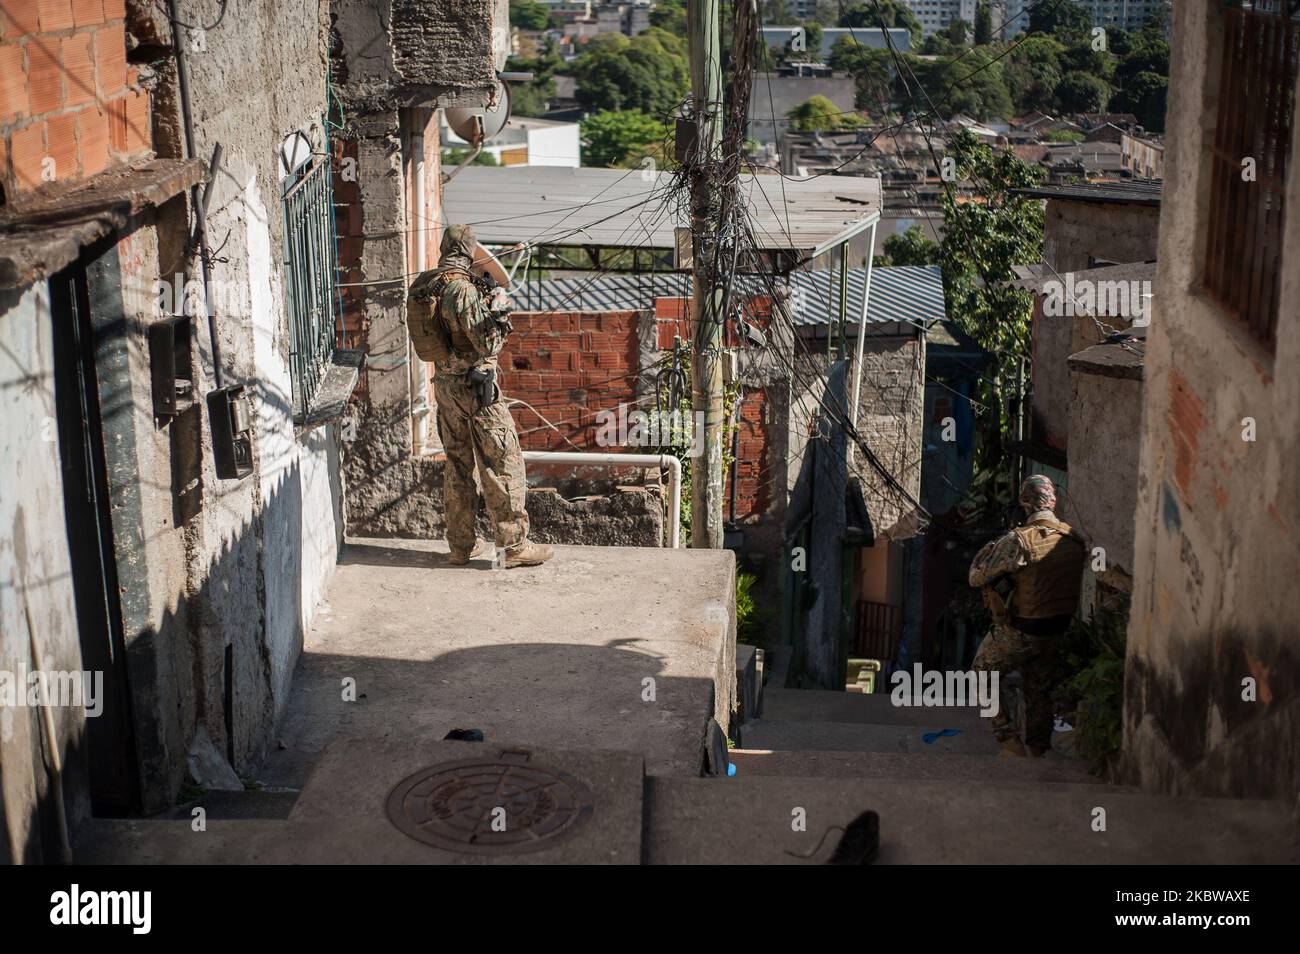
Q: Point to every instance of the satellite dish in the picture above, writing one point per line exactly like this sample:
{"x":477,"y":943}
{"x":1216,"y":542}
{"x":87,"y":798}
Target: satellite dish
{"x":465,"y":121}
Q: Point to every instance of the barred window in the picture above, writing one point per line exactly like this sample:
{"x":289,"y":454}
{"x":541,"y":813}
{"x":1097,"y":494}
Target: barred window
{"x":309,"y":279}
{"x":1252,"y":143}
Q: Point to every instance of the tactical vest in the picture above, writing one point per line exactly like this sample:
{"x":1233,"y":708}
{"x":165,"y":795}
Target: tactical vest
{"x":433,"y":337}
{"x":1049,"y":585}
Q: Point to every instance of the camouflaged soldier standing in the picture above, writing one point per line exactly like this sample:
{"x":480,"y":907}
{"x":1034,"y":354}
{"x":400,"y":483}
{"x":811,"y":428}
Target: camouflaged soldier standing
{"x":1044,"y":560}
{"x":458,"y":328}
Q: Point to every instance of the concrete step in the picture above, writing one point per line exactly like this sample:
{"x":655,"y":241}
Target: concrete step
{"x":782,"y":736}
{"x":908,"y":765}
{"x":555,"y":656}
{"x":341,"y":816}
{"x":823,"y":705}
{"x":749,"y":821}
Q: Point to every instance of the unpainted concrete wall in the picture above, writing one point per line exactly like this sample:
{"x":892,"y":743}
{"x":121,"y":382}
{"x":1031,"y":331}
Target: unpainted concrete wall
{"x":1075,"y":233}
{"x":35,"y":584}
{"x":1218,"y":517}
{"x":1105,"y":438}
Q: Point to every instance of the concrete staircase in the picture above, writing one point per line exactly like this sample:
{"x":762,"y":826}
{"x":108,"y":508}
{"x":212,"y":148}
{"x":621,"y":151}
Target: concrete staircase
{"x":825,"y":757}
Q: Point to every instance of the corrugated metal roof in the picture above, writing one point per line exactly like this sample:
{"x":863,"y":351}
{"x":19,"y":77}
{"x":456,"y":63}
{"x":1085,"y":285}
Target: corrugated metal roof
{"x":552,"y":205}
{"x":911,"y":294}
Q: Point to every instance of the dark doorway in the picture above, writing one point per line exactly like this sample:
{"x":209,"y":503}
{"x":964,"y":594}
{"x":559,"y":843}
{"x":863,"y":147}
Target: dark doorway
{"x":114,"y":775}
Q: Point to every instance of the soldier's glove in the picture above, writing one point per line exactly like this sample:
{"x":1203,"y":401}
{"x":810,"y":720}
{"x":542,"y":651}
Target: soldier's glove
{"x":500,"y":307}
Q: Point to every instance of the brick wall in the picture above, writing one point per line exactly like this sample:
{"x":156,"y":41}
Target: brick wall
{"x":70,"y":106}
{"x":569,"y":366}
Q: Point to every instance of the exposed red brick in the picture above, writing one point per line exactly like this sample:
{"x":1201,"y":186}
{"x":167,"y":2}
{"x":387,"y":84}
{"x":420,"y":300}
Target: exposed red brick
{"x":61,"y":145}
{"x":110,"y":59}
{"x":13,"y":83}
{"x":1186,"y":418}
{"x":55,"y":15}
{"x":139,"y":137}
{"x":115,"y":113}
{"x":20,"y":18}
{"x":26,"y":151}
{"x":78,"y":70}
{"x":87,"y":12}
{"x":44,"y":75}
{"x":116,"y":10}
{"x":92,"y":137}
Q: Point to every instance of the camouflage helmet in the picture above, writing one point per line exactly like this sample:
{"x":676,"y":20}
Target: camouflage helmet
{"x":1037,"y":493}
{"x":459,"y":241}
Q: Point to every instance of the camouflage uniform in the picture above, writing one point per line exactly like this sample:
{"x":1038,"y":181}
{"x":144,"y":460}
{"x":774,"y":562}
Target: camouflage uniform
{"x":1005,"y":647}
{"x":472,"y":436}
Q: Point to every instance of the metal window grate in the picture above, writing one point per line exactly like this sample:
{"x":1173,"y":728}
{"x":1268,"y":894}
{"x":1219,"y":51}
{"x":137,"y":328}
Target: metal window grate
{"x":879,"y":627}
{"x":1243,"y":268}
{"x":309,"y":277}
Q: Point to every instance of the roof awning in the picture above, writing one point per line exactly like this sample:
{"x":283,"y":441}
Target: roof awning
{"x":634,"y":208}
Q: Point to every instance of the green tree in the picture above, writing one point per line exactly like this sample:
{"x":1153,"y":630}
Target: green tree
{"x":1146,"y":96}
{"x":957,"y":32}
{"x":819,"y":114}
{"x":532,"y":98}
{"x":776,"y":13}
{"x":971,"y":84}
{"x":984,"y":237}
{"x":912,"y":247}
{"x":1032,"y":71}
{"x":983,"y":24}
{"x":529,"y":15}
{"x":889,"y":14}
{"x":648,"y":72}
{"x":1064,"y":19}
{"x":872,"y":70}
{"x":611,"y":138}
{"x":670,"y":16}
{"x":1080,"y":92}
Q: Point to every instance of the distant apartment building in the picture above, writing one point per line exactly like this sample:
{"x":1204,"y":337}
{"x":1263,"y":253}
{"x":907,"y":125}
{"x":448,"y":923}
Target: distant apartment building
{"x":935,"y":16}
{"x":1124,"y":14}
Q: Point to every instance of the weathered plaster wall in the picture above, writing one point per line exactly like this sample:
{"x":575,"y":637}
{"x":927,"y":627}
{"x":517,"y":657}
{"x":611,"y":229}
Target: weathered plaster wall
{"x":1218,"y":517}
{"x":890,"y":420}
{"x":220,"y":564}
{"x":1105,"y":439}
{"x":1075,"y":232}
{"x":417,"y":53}
{"x":34,"y":578}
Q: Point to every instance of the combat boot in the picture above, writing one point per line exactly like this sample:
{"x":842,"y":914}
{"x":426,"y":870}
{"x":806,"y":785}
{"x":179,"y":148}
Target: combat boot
{"x":1012,"y":748}
{"x":530,"y":554}
{"x":461,"y":557}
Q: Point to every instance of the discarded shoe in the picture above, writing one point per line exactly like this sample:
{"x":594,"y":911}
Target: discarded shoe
{"x":530,"y":554}
{"x":460,"y":557}
{"x":1012,"y":748}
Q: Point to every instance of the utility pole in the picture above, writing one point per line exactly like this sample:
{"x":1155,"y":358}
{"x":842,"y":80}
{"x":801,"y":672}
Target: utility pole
{"x":703,"y":28}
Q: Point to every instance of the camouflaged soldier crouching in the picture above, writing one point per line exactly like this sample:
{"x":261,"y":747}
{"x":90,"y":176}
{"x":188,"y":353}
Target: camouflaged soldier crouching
{"x":458,"y":327}
{"x":1043,"y":561}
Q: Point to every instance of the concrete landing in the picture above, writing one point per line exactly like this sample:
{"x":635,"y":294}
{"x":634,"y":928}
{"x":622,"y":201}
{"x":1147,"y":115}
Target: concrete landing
{"x":340,"y":818}
{"x":908,"y":765}
{"x":558,"y":656}
{"x":824,"y":705}
{"x":748,"y":821}
{"x":866,"y":737}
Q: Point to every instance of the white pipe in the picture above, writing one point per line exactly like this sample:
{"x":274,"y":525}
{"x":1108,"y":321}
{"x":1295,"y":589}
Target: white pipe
{"x":862,"y":338}
{"x":674,"y":466}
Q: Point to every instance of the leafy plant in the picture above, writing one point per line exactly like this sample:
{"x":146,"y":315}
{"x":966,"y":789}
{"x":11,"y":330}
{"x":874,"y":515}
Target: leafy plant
{"x":1094,"y":650}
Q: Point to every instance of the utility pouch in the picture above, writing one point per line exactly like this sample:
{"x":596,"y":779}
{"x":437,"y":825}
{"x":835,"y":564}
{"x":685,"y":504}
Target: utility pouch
{"x":483,"y":382}
{"x":997,"y":598}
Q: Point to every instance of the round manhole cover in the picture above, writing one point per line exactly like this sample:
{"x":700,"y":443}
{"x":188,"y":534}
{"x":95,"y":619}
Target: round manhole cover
{"x":490,"y":806}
